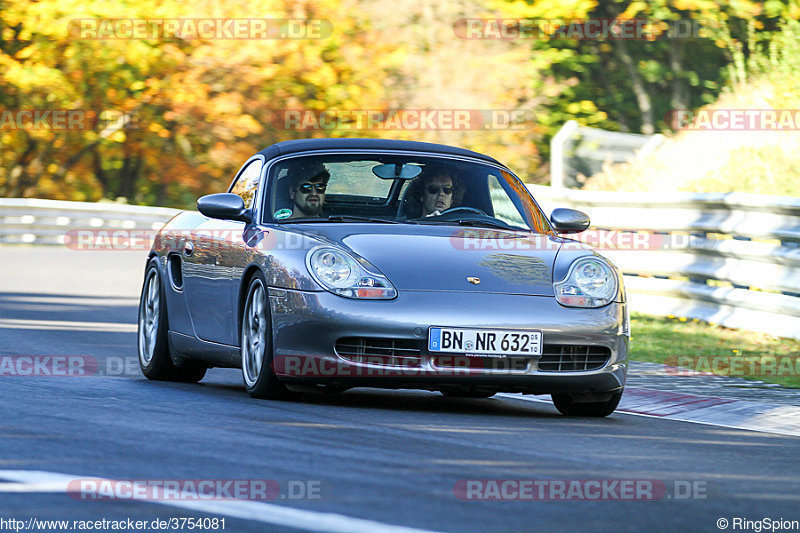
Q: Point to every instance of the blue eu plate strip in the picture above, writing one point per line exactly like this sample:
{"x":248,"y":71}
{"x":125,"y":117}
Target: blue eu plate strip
{"x":434,"y":339}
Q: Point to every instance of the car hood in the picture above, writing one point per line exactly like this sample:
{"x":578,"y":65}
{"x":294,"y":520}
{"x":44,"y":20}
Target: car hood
{"x":446,"y":258}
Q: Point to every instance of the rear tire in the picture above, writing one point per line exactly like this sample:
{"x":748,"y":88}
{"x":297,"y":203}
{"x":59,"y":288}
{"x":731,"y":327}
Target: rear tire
{"x":153,"y":344}
{"x":256,"y":344}
{"x":567,"y":406}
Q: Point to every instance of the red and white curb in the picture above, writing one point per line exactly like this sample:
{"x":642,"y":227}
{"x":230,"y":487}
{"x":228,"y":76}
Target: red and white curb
{"x":711,"y":410}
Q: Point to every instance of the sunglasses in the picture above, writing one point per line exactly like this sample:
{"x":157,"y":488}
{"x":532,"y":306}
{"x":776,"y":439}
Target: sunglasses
{"x":432,"y":189}
{"x":306,"y":187}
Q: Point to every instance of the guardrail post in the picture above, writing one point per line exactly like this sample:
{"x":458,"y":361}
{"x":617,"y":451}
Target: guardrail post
{"x":557,"y":144}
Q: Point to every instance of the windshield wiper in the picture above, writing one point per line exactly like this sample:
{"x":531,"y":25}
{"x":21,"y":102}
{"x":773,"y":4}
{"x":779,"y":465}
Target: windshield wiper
{"x":355,"y":218}
{"x":476,"y":223}
{"x":486,"y":223}
{"x":346,"y":218}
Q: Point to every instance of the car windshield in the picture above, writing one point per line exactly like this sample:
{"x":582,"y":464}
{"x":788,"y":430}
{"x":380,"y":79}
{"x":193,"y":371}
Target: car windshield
{"x":385,"y":188}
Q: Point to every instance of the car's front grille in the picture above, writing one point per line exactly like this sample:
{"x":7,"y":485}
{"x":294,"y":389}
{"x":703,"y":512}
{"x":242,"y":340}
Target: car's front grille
{"x":408,"y":353}
{"x":379,"y":351}
{"x":573,"y":358}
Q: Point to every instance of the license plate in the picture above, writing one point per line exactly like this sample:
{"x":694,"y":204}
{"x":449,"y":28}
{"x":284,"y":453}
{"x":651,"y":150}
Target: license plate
{"x":485,"y":341}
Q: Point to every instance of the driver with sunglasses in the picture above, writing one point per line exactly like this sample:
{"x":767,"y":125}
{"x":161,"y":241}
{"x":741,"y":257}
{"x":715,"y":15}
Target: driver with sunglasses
{"x":308,"y":194}
{"x":436,"y":192}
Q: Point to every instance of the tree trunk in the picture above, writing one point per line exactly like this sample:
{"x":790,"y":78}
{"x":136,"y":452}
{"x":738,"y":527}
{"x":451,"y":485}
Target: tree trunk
{"x":128,"y":175}
{"x":602,"y":76}
{"x":638,"y":86}
{"x":99,"y":172}
{"x":680,"y":89}
{"x":16,"y":176}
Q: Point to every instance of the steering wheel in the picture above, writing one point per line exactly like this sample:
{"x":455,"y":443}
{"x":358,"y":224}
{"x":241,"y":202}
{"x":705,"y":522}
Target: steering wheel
{"x":464,"y":210}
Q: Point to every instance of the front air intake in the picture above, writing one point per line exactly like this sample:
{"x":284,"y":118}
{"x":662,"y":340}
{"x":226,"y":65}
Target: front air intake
{"x":380,"y":351}
{"x":573,"y":358}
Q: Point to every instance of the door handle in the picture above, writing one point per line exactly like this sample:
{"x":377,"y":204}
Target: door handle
{"x":188,"y":248}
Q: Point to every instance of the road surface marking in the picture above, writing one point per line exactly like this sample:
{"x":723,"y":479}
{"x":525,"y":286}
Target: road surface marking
{"x":66,"y":325}
{"x":81,"y":301}
{"x":31,"y":481}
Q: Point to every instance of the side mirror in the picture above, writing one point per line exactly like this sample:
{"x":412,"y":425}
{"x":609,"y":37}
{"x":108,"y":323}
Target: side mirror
{"x":225,"y":206}
{"x":569,"y":220}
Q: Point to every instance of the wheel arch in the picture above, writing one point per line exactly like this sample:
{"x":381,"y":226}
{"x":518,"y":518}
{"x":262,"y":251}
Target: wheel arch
{"x":152,"y":254}
{"x":248,"y":274}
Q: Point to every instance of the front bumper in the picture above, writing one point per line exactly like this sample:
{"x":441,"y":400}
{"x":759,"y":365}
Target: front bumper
{"x":307,"y":325}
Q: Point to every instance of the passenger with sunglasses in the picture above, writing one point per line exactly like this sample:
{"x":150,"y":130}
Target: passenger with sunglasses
{"x":308,"y":194}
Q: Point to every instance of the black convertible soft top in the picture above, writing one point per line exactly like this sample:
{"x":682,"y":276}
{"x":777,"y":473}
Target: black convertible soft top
{"x":303,"y":145}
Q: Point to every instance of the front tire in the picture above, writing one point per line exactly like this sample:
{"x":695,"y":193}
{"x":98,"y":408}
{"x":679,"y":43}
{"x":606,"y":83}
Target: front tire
{"x":566,"y":405}
{"x":153,"y":345}
{"x":256,"y":342}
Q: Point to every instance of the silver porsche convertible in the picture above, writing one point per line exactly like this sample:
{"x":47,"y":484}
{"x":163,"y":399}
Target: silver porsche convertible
{"x":339,"y":263}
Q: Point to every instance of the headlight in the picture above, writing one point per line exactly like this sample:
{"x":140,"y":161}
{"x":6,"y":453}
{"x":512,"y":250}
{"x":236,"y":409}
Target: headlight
{"x":341,"y":273}
{"x":591,"y":282}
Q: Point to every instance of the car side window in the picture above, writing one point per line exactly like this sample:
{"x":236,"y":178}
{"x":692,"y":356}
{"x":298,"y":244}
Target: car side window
{"x":504,"y":208}
{"x":247,"y":183}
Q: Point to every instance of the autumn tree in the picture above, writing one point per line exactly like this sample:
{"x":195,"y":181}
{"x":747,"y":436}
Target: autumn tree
{"x":679,"y":61}
{"x":173,"y":117}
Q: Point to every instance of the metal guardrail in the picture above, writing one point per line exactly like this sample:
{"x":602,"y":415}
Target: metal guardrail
{"x":577,"y":149}
{"x":730,"y":259}
{"x":32,"y":221}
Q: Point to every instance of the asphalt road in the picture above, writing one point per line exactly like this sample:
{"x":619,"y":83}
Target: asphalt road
{"x":397,"y":458}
